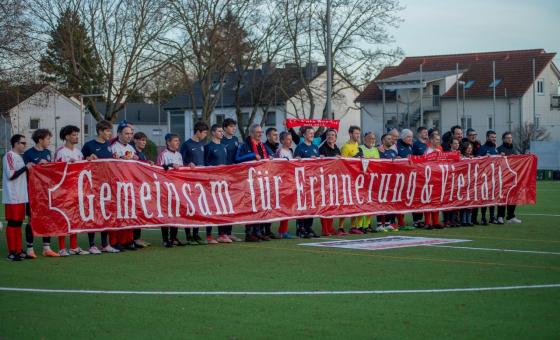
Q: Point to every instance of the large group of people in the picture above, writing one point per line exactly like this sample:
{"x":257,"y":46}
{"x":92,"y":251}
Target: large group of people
{"x":223,"y":147}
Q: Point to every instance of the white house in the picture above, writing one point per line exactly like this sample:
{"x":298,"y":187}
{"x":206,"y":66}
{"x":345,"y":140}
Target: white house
{"x":484,"y":91}
{"x":274,"y":94}
{"x":40,"y":107}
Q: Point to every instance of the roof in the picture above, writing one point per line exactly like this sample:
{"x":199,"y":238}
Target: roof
{"x":12,"y":96}
{"x":269,"y":85}
{"x":137,"y":113}
{"x":514,"y":68}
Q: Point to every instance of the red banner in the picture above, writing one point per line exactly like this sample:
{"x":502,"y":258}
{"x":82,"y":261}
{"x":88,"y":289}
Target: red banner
{"x":115,"y":194}
{"x":328,"y":123}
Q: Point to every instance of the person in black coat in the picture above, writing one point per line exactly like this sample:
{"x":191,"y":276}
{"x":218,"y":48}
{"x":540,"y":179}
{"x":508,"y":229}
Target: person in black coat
{"x":507,"y":149}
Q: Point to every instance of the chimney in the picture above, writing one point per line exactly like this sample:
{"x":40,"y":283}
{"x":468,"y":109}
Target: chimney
{"x":310,"y":70}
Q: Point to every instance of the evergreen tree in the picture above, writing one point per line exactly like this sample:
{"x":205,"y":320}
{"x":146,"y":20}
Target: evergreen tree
{"x":70,"y":59}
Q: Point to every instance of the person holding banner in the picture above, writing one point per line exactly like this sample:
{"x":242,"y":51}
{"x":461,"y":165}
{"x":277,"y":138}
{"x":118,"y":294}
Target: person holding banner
{"x":271,"y":143}
{"x":488,"y":149}
{"x":507,"y":149}
{"x":432,"y":217}
{"x":69,"y":153}
{"x":215,"y":153}
{"x":284,"y":151}
{"x":404,"y":150}
{"x":370,"y":151}
{"x":465,"y":215}
{"x":330,"y":149}
{"x":253,"y":149}
{"x":15,"y":196}
{"x":170,"y":158}
{"x":386,"y":222}
{"x":306,"y":150}
{"x":192,"y":151}
{"x":100,"y":148}
{"x":38,"y":154}
{"x":231,"y":142}
{"x":420,"y":145}
{"x":351,"y":149}
{"x":451,"y":218}
{"x":122,"y":149}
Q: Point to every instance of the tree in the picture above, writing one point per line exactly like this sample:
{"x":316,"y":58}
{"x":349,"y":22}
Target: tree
{"x":16,"y":43}
{"x":126,"y":37}
{"x":70,"y":58}
{"x":214,"y":42}
{"x":529,"y":132}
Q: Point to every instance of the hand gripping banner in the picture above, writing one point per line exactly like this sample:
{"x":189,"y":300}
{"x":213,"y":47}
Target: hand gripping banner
{"x":115,"y":194}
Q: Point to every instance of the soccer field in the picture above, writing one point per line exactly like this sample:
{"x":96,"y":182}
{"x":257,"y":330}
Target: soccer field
{"x":211,"y":291}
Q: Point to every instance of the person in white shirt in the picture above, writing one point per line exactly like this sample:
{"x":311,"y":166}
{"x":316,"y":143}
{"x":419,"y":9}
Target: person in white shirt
{"x":14,"y":195}
{"x":170,"y":158}
{"x":69,"y":153}
{"x":122,"y":149}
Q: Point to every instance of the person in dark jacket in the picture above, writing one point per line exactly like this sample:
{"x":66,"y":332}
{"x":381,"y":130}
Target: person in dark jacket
{"x":271,"y":143}
{"x":253,"y":149}
{"x":404,"y":144}
{"x":488,"y":149}
{"x":456,"y":132}
{"x":507,"y":149}
{"x":472,"y":138}
{"x":421,"y":143}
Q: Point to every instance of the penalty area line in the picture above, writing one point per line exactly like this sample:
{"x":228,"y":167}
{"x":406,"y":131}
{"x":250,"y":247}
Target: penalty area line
{"x":327,"y":292}
{"x":494,"y":249}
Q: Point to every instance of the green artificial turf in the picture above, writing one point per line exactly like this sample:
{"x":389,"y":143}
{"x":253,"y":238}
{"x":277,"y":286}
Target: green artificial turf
{"x":284,"y":265}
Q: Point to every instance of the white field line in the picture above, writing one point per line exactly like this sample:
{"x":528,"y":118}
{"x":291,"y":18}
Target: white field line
{"x":496,"y":249}
{"x":326,"y":292}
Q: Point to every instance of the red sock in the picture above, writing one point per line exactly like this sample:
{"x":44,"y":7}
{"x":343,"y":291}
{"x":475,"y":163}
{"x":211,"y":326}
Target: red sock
{"x":62,"y":242}
{"x":18,"y":241}
{"x":73,"y":241}
{"x":283,"y":227}
{"x":325,"y":226}
{"x":113,"y":238}
{"x":130,"y":236}
{"x":428,"y":218}
{"x":400,"y":219}
{"x":435,"y":217}
{"x":331,"y":226}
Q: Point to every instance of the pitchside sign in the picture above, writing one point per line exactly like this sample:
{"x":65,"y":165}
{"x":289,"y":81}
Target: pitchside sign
{"x":116,"y":194}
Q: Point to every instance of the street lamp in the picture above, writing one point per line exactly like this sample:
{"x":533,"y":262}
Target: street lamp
{"x":462,"y":83}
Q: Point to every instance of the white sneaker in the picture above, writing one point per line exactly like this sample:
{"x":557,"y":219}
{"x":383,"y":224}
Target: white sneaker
{"x":500,"y":220}
{"x":514,"y":220}
{"x":78,"y":251}
{"x":389,"y":228}
{"x":63,"y":253}
{"x":380,"y":229}
{"x":109,"y":249}
{"x":93,"y":250}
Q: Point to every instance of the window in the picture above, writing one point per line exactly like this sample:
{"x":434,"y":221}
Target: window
{"x":34,"y":124}
{"x":220,"y":119}
{"x":270,"y":119}
{"x":490,"y":123}
{"x":156,"y":132}
{"x":540,"y":87}
{"x":86,"y":129}
{"x":469,"y":84}
{"x":466,"y":122}
{"x":537,"y":121}
{"x":495,"y":83}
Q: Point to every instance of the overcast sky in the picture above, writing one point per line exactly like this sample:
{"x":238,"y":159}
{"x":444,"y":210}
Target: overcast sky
{"x":451,"y":26}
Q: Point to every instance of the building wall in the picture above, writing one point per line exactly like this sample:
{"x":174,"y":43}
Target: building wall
{"x":53,"y":111}
{"x":547,"y":117}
